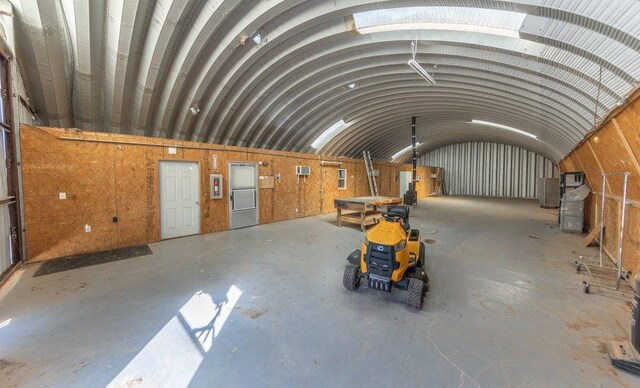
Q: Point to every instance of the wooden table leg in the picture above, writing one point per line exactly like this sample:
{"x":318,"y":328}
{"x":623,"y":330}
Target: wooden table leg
{"x":339,"y":215}
{"x":362,"y":216}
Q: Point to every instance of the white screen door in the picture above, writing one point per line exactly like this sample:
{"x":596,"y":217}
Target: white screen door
{"x":405,"y":179}
{"x":243,"y":194}
{"x":179,"y":199}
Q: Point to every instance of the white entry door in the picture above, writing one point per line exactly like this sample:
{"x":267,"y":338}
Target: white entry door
{"x":243,"y":190}
{"x":179,"y":199}
{"x":405,"y":179}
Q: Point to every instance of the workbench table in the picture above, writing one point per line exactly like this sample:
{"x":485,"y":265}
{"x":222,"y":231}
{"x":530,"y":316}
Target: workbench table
{"x":362,"y":210}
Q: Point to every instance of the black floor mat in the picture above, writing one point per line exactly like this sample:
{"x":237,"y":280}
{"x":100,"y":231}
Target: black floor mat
{"x":88,"y":259}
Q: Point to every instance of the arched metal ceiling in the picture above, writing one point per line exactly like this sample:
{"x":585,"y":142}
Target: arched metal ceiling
{"x":138,"y":66}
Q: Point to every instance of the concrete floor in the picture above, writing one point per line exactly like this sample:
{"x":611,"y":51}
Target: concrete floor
{"x":265,"y":306}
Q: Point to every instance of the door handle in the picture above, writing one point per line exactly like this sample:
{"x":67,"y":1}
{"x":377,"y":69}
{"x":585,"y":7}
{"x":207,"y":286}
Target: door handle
{"x":197,"y":202}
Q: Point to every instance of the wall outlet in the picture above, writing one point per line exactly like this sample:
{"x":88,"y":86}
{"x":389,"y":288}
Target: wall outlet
{"x":173,"y":151}
{"x":296,"y":210}
{"x":87,"y":228}
{"x":62,"y":195}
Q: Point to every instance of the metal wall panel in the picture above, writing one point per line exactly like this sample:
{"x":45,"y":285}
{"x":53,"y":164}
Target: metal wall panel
{"x":490,"y":169}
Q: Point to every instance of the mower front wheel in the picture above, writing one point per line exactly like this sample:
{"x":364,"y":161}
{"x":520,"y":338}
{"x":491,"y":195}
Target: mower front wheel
{"x":351,"y":277}
{"x":415,"y":293}
{"x":421,"y":255}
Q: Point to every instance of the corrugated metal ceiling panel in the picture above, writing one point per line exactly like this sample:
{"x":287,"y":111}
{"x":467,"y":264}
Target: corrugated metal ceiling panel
{"x":138,"y":66}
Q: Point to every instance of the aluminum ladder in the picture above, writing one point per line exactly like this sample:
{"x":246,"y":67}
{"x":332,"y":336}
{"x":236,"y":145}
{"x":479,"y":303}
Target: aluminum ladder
{"x":373,"y":186}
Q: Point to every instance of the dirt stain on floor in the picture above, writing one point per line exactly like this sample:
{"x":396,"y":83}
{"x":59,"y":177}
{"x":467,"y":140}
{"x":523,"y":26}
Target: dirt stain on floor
{"x":580,"y":324}
{"x":8,"y":367}
{"x":252,"y":313}
{"x":430,"y":241}
{"x":497,"y":307}
{"x":602,"y":348}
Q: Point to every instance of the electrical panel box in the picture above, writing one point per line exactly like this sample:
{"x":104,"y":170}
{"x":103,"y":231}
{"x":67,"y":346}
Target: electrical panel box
{"x":303,"y":170}
{"x":215,"y":185}
{"x":375,"y":172}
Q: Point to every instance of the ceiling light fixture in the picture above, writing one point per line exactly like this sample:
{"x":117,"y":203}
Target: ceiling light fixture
{"x":402,"y":151}
{"x":327,"y":135}
{"x":195,"y":109}
{"x":352,"y":86}
{"x":256,"y":38}
{"x":495,"y":125}
{"x":419,"y":69}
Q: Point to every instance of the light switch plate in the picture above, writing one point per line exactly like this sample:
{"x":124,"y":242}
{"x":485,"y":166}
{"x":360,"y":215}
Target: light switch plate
{"x":172,"y":150}
{"x":62,"y":195}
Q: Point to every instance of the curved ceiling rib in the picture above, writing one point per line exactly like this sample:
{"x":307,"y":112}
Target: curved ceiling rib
{"x":45,"y":54}
{"x":86,"y":22}
{"x":325,"y":71}
{"x":214,"y":139}
{"x":292,"y":105}
{"x":126,"y":30}
{"x":188,"y":69}
{"x":201,"y":38}
{"x":422,"y":100}
{"x":169,"y":22}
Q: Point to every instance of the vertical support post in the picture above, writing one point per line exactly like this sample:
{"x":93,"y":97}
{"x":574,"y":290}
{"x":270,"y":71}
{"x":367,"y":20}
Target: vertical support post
{"x":622,"y":224}
{"x":604,"y":186}
{"x":17,"y":156}
{"x":413,"y":148}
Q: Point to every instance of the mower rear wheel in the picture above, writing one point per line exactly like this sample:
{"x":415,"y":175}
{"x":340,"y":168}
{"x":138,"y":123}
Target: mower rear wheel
{"x":351,"y":277}
{"x":415,"y":293}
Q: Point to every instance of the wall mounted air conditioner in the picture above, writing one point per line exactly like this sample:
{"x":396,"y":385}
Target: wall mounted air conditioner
{"x":303,"y":170}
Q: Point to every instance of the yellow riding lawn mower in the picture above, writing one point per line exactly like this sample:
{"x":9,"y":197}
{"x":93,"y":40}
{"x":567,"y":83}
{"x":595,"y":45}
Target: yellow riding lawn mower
{"x":392,"y":255}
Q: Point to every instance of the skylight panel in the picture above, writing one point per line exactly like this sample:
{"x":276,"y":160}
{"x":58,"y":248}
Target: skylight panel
{"x":478,"y":20}
{"x":329,"y":134}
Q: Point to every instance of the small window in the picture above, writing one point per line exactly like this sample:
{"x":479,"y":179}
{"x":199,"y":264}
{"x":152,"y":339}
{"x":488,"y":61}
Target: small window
{"x":342,"y":178}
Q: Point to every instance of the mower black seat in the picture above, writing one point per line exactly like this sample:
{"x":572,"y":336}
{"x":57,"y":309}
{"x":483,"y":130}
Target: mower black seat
{"x":402,"y":212}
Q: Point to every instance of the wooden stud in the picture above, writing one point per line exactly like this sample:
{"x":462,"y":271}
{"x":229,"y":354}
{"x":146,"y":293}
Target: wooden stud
{"x":592,"y":235}
{"x":599,"y":164}
{"x":625,"y":142}
{"x":589,"y":181}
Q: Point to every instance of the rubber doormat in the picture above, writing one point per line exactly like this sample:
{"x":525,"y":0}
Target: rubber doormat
{"x":89,"y":259}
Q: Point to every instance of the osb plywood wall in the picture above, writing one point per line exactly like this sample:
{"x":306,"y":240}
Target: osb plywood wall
{"x":614,"y":148}
{"x":110,"y":175}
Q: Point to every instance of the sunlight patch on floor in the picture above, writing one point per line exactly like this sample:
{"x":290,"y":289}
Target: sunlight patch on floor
{"x":175,"y":353}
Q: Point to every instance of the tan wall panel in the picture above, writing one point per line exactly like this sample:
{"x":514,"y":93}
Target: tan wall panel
{"x":103,"y":180}
{"x":590,"y":166}
{"x":566,"y":165}
{"x":575,"y":163}
{"x":613,"y":155}
{"x":629,"y":122}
